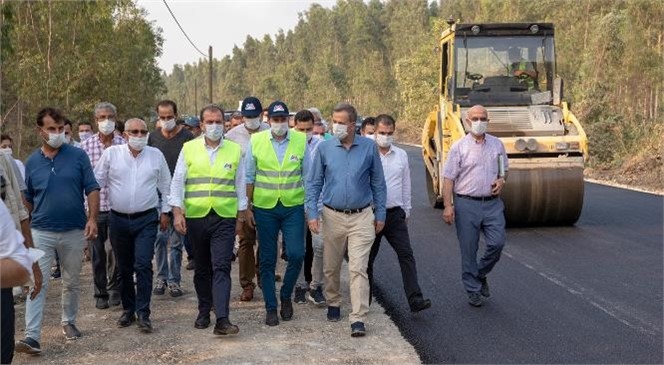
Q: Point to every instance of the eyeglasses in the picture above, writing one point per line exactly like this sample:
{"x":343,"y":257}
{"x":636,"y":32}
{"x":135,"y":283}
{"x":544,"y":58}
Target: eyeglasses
{"x":134,"y":132}
{"x":478,"y":119}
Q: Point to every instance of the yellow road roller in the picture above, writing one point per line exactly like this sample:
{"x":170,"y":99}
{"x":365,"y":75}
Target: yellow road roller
{"x":511,"y":70}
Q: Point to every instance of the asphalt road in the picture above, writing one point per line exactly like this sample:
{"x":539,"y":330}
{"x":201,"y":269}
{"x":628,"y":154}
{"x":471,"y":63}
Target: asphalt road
{"x":589,"y":293}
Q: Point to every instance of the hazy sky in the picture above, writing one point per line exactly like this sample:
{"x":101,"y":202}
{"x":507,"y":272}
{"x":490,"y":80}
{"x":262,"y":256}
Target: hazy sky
{"x":220,"y":24}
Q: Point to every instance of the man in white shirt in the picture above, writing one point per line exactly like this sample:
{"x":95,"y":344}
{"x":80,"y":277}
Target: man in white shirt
{"x":209,"y":200}
{"x":133,"y":173}
{"x":397,"y":179}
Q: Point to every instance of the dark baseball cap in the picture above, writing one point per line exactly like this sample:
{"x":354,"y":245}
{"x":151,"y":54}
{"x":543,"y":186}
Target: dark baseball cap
{"x":192,"y":122}
{"x":277,"y":109}
{"x":251,"y":107}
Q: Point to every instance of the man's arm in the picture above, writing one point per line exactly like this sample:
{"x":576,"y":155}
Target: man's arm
{"x":314,"y":185}
{"x":12,"y":273}
{"x":378,"y":188}
{"x":250,"y":178}
{"x":406,"y":186}
{"x":93,"y":205}
{"x":176,"y":197}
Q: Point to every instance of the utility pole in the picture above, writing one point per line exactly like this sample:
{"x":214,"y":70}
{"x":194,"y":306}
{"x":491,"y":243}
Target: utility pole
{"x":210,"y":72}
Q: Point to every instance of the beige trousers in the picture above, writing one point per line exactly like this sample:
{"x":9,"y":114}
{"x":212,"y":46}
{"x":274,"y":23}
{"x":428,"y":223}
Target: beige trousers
{"x":358,"y":230}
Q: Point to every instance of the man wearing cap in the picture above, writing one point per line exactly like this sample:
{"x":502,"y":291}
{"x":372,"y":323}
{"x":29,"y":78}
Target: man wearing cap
{"x":275,"y":189}
{"x":192,"y":124}
{"x":250,"y":111}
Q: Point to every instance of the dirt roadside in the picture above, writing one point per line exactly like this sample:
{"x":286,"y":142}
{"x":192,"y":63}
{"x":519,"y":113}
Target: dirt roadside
{"x":309,"y":338}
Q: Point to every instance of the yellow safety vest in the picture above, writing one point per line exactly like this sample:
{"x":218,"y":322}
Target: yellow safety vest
{"x":522,"y":66}
{"x":276,"y":182}
{"x":211,"y":187}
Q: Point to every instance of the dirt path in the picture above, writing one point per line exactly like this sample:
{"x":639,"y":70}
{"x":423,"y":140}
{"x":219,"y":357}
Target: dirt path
{"x":308,"y":338}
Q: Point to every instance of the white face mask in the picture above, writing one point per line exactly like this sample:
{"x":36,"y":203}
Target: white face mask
{"x":67,"y":139}
{"x":168,"y":125}
{"x":384,"y":141}
{"x":370,"y":136}
{"x":279,"y":129}
{"x":317,"y":136}
{"x":309,"y":136}
{"x":6,"y":150}
{"x":340,"y":130}
{"x":478,"y":128}
{"x":214,"y":132}
{"x":84,"y":135}
{"x":137,"y":143}
{"x":252,"y":123}
{"x":106,"y":127}
{"x":56,"y":140}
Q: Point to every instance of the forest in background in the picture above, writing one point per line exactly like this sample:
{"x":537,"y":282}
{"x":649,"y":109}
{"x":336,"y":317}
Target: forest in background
{"x":378,"y":55}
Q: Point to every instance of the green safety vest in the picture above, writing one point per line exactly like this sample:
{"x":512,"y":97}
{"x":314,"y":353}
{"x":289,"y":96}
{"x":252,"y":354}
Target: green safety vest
{"x":211,"y":187}
{"x":276,"y":182}
{"x":522,"y":66}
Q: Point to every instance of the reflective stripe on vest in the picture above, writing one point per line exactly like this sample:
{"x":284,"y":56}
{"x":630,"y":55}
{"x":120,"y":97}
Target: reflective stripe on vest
{"x":274,"y":181}
{"x":211,"y":187}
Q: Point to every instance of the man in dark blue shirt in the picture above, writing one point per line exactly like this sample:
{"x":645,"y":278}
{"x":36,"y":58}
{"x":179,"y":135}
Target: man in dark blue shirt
{"x":349,"y":166}
{"x":57,"y":177}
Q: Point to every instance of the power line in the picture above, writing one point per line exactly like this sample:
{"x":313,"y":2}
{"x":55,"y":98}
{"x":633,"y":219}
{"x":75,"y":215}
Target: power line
{"x":183,"y":32}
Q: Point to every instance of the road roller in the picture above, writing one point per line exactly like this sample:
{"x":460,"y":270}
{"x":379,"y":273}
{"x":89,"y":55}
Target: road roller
{"x":510,"y":69}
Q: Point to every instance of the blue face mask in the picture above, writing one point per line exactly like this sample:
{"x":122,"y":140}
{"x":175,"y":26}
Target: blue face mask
{"x":214,"y":132}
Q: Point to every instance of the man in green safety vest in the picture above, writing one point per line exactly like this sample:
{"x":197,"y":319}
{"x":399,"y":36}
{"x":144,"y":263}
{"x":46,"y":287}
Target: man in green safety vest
{"x":275,"y":189}
{"x":521,"y":68}
{"x":209,"y":201}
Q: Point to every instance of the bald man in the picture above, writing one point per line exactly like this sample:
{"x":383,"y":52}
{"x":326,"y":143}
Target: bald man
{"x":133,"y":174}
{"x":472,"y":184}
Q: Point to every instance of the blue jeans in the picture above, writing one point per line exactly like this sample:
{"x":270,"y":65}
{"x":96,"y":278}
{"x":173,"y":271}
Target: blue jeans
{"x":169,"y":273}
{"x":133,"y":243}
{"x":290,"y":221}
{"x":471,"y":218}
{"x":69,"y":245}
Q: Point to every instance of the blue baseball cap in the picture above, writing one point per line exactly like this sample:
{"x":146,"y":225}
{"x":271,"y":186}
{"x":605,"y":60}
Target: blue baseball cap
{"x":251,"y":107}
{"x":277,"y":109}
{"x":192,"y":122}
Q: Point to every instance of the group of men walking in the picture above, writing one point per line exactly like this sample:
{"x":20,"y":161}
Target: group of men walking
{"x":271,"y":185}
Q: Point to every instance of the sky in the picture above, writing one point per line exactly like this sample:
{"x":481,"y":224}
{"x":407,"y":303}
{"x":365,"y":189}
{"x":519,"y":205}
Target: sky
{"x":220,"y":24}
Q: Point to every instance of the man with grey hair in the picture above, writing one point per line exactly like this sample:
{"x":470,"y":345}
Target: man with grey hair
{"x":133,"y":174}
{"x":350,"y":168}
{"x":104,"y":264}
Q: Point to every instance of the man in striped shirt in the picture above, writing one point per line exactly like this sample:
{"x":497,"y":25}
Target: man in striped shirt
{"x":472,"y":174}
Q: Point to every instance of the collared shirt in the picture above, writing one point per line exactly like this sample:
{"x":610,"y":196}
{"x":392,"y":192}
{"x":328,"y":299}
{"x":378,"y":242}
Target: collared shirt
{"x":176,"y":198}
{"x":397,"y":178}
{"x":280,"y":148}
{"x":11,"y":190}
{"x":55,"y":188}
{"x":11,"y":241}
{"x":473,"y":165}
{"x":240,"y":135}
{"x":133,"y":182}
{"x":94,"y":147}
{"x":353,"y":178}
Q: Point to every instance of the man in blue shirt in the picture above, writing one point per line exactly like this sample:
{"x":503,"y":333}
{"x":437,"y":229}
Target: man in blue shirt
{"x":57,"y":177}
{"x":349,"y":166}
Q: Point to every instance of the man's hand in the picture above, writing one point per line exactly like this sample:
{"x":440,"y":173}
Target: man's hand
{"x":37,"y":274}
{"x":313,"y":226}
{"x":179,"y":222}
{"x":448,"y":214}
{"x":379,"y":226}
{"x":164,"y":220}
{"x":91,"y":229}
{"x":249,"y":218}
{"x":497,"y":186}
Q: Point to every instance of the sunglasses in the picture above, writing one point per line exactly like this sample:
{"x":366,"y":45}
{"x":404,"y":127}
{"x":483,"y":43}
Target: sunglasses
{"x":134,"y":132}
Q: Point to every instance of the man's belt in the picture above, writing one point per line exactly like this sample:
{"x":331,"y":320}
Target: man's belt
{"x":133,"y":215}
{"x":478,"y":198}
{"x":347,"y":211}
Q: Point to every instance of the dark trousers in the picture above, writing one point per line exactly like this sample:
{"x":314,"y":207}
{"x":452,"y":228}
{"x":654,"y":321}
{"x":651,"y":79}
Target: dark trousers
{"x":396,"y":233}
{"x":308,"y":257}
{"x":7,"y":323}
{"x":133,"y":243}
{"x":105,"y":279}
{"x":290,"y":221}
{"x":212,"y":239}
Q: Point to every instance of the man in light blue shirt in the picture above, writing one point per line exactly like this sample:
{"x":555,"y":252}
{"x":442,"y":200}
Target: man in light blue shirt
{"x":350,"y":168}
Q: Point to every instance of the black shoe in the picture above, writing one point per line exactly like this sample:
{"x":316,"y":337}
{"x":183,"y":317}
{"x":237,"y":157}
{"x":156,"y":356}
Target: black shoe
{"x":102,"y":303}
{"x":175,"y":290}
{"x":114,"y":299}
{"x":419,"y":305}
{"x":202,"y":322}
{"x":28,"y":346}
{"x":286,"y":309}
{"x":316,"y":296}
{"x":271,"y":318}
{"x":225,"y":327}
{"x":333,"y":314}
{"x":144,"y":325}
{"x":300,"y":296}
{"x":191,"y":264}
{"x":56,"y":274}
{"x":159,"y":287}
{"x":357,"y":329}
{"x":126,"y":319}
{"x":71,"y":332}
{"x":484,"y":290}
{"x":475,"y":299}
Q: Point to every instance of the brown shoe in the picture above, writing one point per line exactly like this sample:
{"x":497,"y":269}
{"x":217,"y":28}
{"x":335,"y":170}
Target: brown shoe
{"x":247,"y":294}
